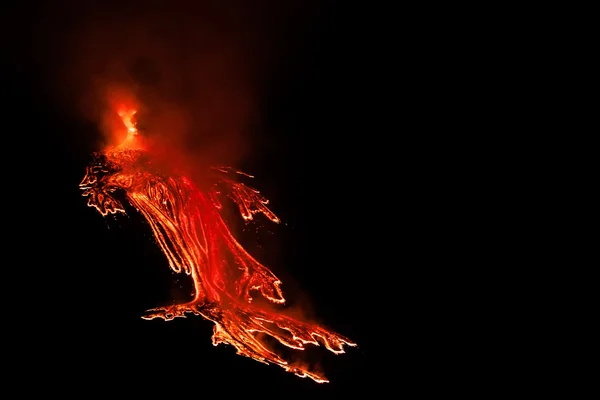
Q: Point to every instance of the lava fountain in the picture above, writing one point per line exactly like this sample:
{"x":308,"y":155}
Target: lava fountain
{"x":188,"y":226}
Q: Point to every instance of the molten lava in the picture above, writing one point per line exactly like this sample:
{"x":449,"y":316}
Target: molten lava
{"x":191,"y":232}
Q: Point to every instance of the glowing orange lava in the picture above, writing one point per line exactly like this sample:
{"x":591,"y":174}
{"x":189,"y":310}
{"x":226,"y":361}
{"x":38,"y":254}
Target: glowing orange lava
{"x":191,"y":232}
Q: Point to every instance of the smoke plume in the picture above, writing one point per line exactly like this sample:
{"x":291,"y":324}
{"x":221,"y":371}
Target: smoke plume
{"x":194,"y":70}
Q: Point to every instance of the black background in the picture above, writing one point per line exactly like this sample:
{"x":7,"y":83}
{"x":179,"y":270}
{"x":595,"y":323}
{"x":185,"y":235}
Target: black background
{"x":389,"y":147}
{"x":79,"y":283}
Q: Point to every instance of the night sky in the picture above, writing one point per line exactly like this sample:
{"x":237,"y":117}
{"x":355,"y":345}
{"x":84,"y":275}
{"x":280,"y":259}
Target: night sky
{"x":373,"y":132}
{"x":86,"y":280}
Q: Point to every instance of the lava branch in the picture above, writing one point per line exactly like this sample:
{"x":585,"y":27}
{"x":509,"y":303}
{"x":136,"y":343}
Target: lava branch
{"x":190,"y":231}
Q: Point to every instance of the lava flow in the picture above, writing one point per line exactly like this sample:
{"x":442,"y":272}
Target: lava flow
{"x":191,"y":232}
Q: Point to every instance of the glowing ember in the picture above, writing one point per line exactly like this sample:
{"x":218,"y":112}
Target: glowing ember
{"x":189,"y":229}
